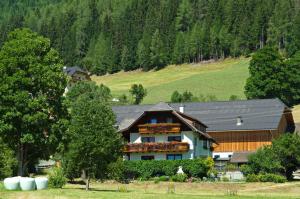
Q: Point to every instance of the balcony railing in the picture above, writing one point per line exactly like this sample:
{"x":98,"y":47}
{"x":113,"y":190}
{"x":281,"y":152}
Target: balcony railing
{"x":156,"y":147}
{"x":159,"y":128}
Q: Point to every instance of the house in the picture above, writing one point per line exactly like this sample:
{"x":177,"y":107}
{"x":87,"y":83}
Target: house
{"x":237,"y":127}
{"x":160,"y":132}
{"x":75,"y":74}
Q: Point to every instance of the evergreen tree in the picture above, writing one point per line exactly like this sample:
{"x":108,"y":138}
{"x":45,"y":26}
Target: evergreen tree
{"x":184,"y":17}
{"x":157,"y":54}
{"x":179,"y":54}
{"x":143,"y":56}
{"x":280,"y":24}
{"x":125,"y":59}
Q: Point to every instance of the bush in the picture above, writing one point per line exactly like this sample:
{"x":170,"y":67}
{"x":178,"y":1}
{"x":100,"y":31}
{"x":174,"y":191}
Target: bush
{"x":197,"y":168}
{"x":252,"y":178}
{"x":116,"y":171}
{"x":7,"y":160}
{"x":179,"y":178}
{"x":57,"y":178}
{"x":269,"y":177}
{"x":156,"y":180}
{"x":225,"y":179}
{"x":164,"y":178}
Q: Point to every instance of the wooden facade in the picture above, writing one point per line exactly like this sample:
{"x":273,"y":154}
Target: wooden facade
{"x":156,"y":147}
{"x":237,"y":141}
{"x":164,"y":128}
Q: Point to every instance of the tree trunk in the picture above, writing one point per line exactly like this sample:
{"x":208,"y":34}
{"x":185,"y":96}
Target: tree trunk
{"x":87,"y":183}
{"x":261,"y":39}
{"x":21,"y":157}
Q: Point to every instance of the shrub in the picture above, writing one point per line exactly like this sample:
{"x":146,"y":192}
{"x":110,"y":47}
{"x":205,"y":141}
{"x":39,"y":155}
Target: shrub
{"x":57,"y":178}
{"x":252,"y":178}
{"x":269,"y":177}
{"x":156,"y":180}
{"x":122,"y":189}
{"x":197,"y":168}
{"x":116,"y":171}
{"x":164,"y":178}
{"x":179,"y":178}
{"x":246,"y":169}
{"x":225,"y":179}
{"x":7,"y":160}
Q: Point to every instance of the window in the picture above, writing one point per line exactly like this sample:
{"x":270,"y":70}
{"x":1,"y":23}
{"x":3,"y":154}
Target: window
{"x":205,"y":144}
{"x":169,"y":120}
{"x":148,"y":139}
{"x":147,"y":157}
{"x":153,"y":121}
{"x":174,"y":157}
{"x":216,"y":156}
{"x":174,"y":139}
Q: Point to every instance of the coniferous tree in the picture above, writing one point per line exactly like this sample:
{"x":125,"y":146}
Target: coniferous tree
{"x":179,"y":54}
{"x":125,"y":59}
{"x":157,"y":53}
{"x":184,"y":17}
{"x":143,"y":56}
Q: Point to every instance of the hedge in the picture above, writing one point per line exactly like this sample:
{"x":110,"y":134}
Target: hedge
{"x":268,"y":177}
{"x":146,"y":169}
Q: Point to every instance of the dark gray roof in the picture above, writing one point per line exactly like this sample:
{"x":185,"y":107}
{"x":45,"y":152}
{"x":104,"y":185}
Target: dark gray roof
{"x":71,"y":70}
{"x":161,"y":106}
{"x":259,"y":114}
{"x":240,"y":157}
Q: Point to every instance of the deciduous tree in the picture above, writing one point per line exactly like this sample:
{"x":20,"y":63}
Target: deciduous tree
{"x":138,"y":92}
{"x":95,"y":142}
{"x":31,"y":85}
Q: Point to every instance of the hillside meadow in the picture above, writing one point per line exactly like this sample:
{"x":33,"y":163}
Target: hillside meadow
{"x":222,"y":79}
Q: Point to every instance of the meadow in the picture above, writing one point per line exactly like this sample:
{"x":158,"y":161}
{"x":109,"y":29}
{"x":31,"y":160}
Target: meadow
{"x":222,"y":79}
{"x":148,"y":190}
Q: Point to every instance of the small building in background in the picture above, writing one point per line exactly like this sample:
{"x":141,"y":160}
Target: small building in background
{"x":75,"y":74}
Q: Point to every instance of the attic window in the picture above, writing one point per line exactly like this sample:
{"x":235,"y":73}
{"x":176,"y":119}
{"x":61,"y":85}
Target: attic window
{"x":153,"y":121}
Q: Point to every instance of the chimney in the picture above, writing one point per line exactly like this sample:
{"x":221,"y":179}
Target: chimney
{"x":239,"y":121}
{"x":181,"y":108}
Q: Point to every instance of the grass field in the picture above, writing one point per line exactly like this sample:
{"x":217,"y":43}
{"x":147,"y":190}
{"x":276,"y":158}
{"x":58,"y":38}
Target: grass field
{"x":222,"y":79}
{"x":149,"y":190}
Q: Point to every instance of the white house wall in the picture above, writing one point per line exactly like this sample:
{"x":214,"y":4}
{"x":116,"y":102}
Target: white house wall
{"x":186,"y":136}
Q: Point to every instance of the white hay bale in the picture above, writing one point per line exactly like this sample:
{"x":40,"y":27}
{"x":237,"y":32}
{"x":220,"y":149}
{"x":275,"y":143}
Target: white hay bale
{"x":27,"y":184}
{"x":41,"y":183}
{"x":12,"y":183}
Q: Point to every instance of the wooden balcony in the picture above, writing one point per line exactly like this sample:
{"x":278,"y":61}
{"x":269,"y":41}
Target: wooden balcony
{"x":159,"y":128}
{"x":156,"y":147}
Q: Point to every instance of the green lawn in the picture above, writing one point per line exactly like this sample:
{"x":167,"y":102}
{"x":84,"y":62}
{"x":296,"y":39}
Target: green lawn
{"x":149,"y":190}
{"x":222,"y":79}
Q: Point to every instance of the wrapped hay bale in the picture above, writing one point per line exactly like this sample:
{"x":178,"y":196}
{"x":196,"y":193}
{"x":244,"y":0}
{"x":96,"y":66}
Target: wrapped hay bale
{"x":27,"y":184}
{"x":12,"y":183}
{"x":41,"y":183}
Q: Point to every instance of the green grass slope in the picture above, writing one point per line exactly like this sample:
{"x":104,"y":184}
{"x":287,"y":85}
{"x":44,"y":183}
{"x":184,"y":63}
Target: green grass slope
{"x":222,"y":79}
